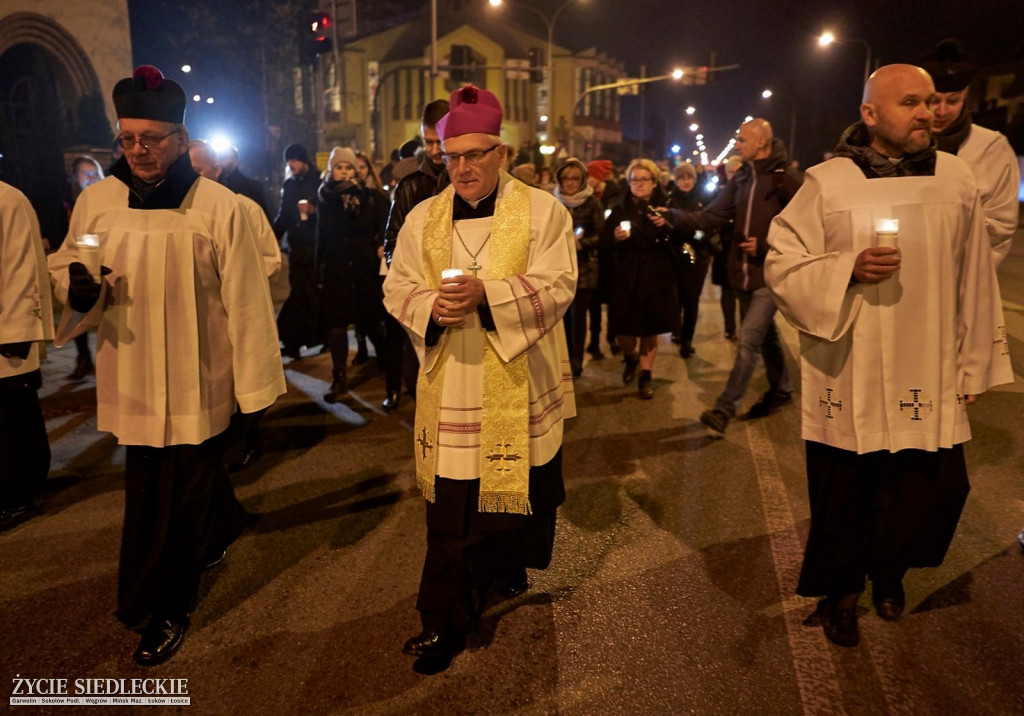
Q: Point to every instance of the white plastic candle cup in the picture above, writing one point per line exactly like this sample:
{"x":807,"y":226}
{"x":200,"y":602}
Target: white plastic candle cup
{"x":89,"y":253}
{"x":626,"y":226}
{"x":304,"y":209}
{"x":450,"y":273}
{"x":887,"y":232}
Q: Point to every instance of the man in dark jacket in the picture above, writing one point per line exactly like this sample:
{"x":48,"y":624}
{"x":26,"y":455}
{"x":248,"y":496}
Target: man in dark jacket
{"x":756,"y":193}
{"x":426,"y":181}
{"x":231,"y":177}
{"x":295,"y":227}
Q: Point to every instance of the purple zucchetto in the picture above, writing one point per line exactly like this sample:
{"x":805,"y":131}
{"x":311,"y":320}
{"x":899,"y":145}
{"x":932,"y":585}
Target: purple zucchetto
{"x":473,"y":111}
{"x":147,"y":94}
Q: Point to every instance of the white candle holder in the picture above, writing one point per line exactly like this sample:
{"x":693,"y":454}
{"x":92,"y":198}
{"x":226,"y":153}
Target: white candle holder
{"x":887,"y":232}
{"x":89,"y":253}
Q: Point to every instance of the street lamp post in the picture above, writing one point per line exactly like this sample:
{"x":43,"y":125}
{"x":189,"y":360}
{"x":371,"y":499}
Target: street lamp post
{"x":549,"y":55}
{"x":827,"y":38}
{"x":768,"y":94}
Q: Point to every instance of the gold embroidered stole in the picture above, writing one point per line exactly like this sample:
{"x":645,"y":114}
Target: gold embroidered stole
{"x":505,"y":421}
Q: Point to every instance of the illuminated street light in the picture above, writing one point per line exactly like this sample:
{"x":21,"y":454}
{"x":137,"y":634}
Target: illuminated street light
{"x":543,"y":118}
{"x":694,"y":127}
{"x":196,"y":98}
{"x":209,"y":100}
{"x":186,"y":68}
{"x":677,"y":74}
{"x":691,"y":110}
{"x":699,"y":136}
{"x":676,"y":149}
{"x":827,"y":38}
{"x":768,"y":94}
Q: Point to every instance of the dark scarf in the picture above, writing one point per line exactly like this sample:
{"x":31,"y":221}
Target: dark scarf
{"x":168,"y":193}
{"x":956,"y":134}
{"x":855,"y":144}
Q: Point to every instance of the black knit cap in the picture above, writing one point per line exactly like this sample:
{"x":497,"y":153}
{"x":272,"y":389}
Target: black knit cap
{"x":147,"y":94}
{"x":296,"y":151}
{"x":951,"y":68}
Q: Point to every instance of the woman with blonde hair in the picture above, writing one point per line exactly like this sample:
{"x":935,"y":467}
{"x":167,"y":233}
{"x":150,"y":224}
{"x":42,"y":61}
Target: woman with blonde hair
{"x":645,"y":301}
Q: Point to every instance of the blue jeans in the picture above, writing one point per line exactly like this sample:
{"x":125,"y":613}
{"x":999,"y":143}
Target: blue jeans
{"x":757,"y":336}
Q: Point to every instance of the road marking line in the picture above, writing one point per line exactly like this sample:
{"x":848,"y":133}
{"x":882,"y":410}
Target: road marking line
{"x":816,"y":676}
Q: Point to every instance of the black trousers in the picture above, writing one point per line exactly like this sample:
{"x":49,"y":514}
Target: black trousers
{"x":180,"y":510}
{"x":691,"y":283}
{"x":469,"y":552}
{"x":400,"y":362}
{"x":878,"y":514}
{"x":24,"y":448}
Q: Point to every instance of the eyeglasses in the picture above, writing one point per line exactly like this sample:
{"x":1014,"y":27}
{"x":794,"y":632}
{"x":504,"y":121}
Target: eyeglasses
{"x":644,"y":180}
{"x":146,"y":141}
{"x":474,"y":157}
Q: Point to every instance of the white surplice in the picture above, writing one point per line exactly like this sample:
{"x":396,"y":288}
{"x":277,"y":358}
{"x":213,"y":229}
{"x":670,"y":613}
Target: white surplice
{"x":885,"y":366}
{"x":26,"y":312}
{"x":995,"y":168}
{"x":185,"y":325}
{"x":527,"y":311}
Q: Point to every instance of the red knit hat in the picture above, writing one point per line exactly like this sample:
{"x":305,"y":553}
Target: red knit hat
{"x":600,"y":169}
{"x":473,"y":110}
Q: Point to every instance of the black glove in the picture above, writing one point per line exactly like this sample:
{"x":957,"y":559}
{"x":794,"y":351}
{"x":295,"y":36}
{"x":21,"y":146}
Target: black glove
{"x":84,"y":290}
{"x":15,"y":350}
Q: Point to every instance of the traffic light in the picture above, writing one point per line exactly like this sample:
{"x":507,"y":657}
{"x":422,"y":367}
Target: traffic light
{"x":315,"y":37}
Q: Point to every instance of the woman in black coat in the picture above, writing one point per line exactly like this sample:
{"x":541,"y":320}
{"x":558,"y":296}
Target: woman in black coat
{"x":587,"y":221}
{"x":644,"y":297}
{"x":686,"y":197}
{"x":350,"y":228}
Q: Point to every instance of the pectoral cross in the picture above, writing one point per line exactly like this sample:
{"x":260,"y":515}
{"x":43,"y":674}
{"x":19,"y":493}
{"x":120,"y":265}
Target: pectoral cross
{"x":503,"y":456}
{"x":474,"y":267}
{"x":424,"y":443}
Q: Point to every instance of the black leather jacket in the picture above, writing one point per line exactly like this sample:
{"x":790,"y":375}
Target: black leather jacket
{"x":427,"y":181}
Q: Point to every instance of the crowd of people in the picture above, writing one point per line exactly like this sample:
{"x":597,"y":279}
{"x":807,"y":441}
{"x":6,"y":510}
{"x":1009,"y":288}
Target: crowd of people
{"x":457,"y":265}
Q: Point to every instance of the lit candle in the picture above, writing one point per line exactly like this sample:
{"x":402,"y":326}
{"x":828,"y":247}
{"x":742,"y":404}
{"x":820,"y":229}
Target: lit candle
{"x":887,"y":232}
{"x":89,"y":253}
{"x":626,"y":226}
{"x":450,"y":273}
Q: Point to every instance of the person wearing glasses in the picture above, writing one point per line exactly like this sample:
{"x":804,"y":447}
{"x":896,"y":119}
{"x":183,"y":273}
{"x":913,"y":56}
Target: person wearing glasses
{"x":427,"y":181}
{"x":645,"y":301}
{"x":185,"y":330}
{"x":481,"y":276}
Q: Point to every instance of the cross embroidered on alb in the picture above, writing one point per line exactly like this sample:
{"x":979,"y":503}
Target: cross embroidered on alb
{"x":916,"y":404}
{"x":828,"y":403}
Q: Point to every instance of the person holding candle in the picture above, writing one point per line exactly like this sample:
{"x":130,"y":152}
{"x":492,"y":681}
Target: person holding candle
{"x":882,"y":262}
{"x":26,"y":321}
{"x":185,"y":329}
{"x":494,"y":387}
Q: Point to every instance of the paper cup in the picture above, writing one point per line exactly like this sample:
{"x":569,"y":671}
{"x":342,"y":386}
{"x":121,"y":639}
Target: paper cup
{"x":89,"y":253}
{"x":626,"y":226}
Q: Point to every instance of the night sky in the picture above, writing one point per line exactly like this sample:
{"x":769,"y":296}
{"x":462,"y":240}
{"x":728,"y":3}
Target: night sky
{"x":773,"y":42}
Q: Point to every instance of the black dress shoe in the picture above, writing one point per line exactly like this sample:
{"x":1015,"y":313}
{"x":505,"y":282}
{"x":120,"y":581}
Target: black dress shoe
{"x":514,"y":586}
{"x":11,"y":518}
{"x":214,"y":558}
{"x":160,"y":640}
{"x":435,"y":644}
{"x":839,"y":622}
{"x":889,"y":600}
{"x":391,"y":401}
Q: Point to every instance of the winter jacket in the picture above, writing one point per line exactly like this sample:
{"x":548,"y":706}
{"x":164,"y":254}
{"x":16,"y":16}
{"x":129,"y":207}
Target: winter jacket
{"x":758,"y":191}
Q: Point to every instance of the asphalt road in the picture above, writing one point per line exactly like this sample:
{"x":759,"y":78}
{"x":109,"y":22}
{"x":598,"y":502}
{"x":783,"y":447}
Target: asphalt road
{"x":671,"y":589}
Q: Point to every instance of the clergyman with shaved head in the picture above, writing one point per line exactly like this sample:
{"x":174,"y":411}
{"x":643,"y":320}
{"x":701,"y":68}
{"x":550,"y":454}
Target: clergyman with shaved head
{"x":882,"y":263}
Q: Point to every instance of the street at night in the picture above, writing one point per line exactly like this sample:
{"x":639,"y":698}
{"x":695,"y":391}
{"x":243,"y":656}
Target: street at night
{"x":671,"y":589}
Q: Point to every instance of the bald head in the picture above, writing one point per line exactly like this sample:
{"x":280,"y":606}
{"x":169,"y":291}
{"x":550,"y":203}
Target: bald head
{"x":204,"y":159}
{"x":890,"y":79}
{"x":897,"y":109}
{"x":754,"y":140}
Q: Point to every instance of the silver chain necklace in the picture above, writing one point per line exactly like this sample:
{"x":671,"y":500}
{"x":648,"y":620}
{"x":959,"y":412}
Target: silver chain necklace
{"x":474,"y":266}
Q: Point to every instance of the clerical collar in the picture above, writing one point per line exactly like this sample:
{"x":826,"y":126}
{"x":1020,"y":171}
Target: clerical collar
{"x":462,"y":209}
